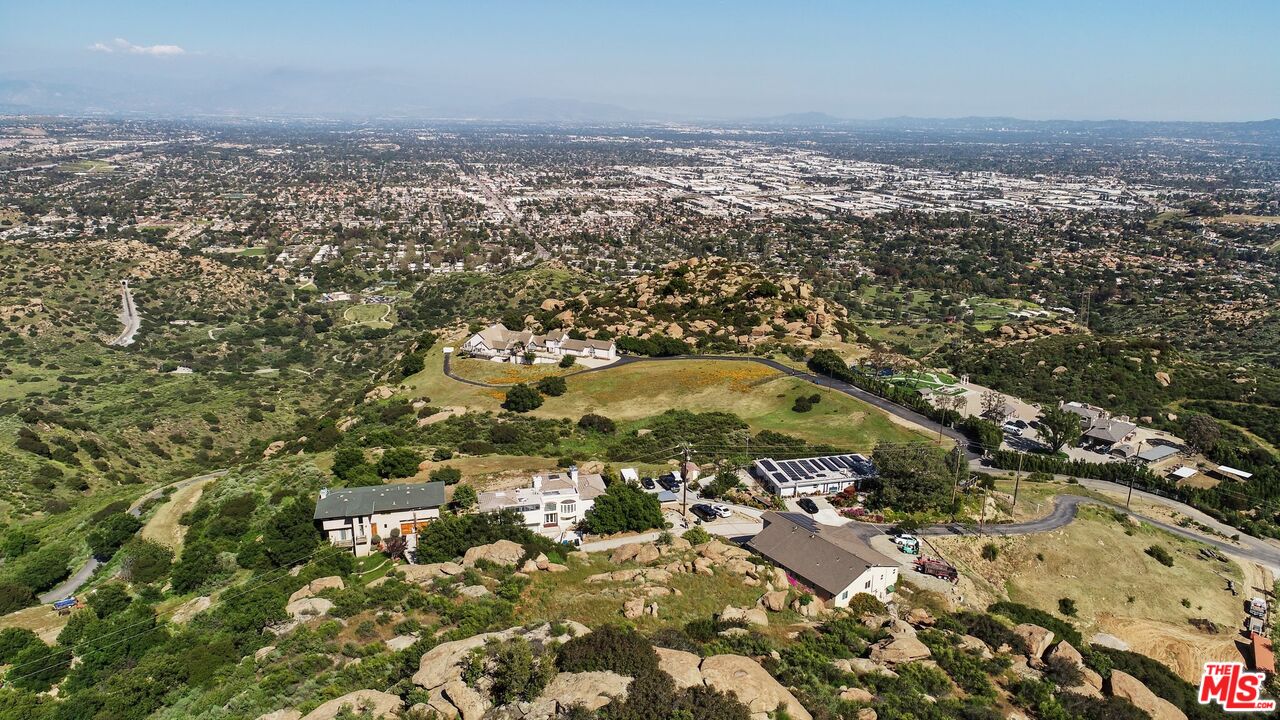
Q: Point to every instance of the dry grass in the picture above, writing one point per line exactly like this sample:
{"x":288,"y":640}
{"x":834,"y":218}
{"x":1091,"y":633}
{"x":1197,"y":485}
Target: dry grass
{"x":1116,"y":586}
{"x":163,"y":527}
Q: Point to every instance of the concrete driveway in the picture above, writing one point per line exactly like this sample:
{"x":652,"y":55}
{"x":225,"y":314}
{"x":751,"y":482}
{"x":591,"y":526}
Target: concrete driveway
{"x":827,"y":513}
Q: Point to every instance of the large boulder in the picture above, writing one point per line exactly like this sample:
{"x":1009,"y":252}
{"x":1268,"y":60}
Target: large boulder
{"x":307,"y":608}
{"x":899,"y":650}
{"x":285,"y":714}
{"x":1038,"y":639}
{"x":775,"y":601}
{"x":591,"y":690}
{"x":1124,"y":685}
{"x":502,"y":552}
{"x":1065,"y":651}
{"x":333,"y":582}
{"x":471,"y":705}
{"x":754,"y":687}
{"x":426,"y":573}
{"x":633,"y":608}
{"x":683,"y":667}
{"x":376,"y":704}
{"x":442,"y":663}
{"x":751,"y":616}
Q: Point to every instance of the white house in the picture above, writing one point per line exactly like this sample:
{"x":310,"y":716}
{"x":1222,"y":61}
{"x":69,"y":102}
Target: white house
{"x":498,"y":343}
{"x":552,"y":505}
{"x":831,"y":561}
{"x":354,"y":517}
{"x":824,"y":475}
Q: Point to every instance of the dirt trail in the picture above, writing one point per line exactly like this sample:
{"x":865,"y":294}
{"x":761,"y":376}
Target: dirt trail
{"x":163,"y":527}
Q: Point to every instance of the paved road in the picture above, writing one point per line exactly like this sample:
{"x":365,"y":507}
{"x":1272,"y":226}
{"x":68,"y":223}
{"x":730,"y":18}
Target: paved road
{"x":888,"y":406}
{"x":128,"y":316}
{"x":81,"y":576}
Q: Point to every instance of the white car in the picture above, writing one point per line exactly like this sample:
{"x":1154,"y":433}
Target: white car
{"x":722,"y":510}
{"x":1012,"y":429}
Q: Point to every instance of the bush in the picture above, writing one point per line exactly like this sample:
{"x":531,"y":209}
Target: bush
{"x":446,"y":475}
{"x":110,"y":534}
{"x":1023,"y":614}
{"x":15,"y":597}
{"x":1161,"y":555}
{"x":1066,"y":606}
{"x":624,"y":508}
{"x":597,"y":423}
{"x":522,"y":398}
{"x":43,"y":568}
{"x":990,"y":551}
{"x":553,"y":386}
{"x":398,"y":463}
{"x":13,"y":641}
{"x":517,"y":675}
{"x":567,"y":361}
{"x":609,"y":649}
{"x":38,"y":667}
{"x":146,"y":561}
{"x":802,"y":405}
{"x":697,"y":535}
{"x":464,"y":497}
{"x":18,"y":542}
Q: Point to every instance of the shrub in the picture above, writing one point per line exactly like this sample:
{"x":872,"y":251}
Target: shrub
{"x":38,"y":667}
{"x":697,"y":535}
{"x":146,"y":561}
{"x":597,"y":423}
{"x":990,"y":551}
{"x":42,"y":569}
{"x":18,"y":542}
{"x":522,"y":398}
{"x":446,"y":475}
{"x":1161,"y":555}
{"x":802,"y":405}
{"x":110,"y":534}
{"x":517,"y":675}
{"x":610,"y":649}
{"x":464,"y":497}
{"x":1023,"y":614}
{"x":13,"y":641}
{"x":567,"y":361}
{"x":553,"y":386}
{"x":398,"y":463}
{"x":624,"y":508}
{"x":1066,"y":606}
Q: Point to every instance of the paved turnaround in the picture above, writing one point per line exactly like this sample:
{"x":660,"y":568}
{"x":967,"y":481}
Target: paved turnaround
{"x":854,"y":391}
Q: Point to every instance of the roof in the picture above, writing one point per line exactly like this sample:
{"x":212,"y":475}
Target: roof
{"x":1112,"y":431}
{"x":1184,"y":472}
{"x":1157,"y":453}
{"x":499,"y":337}
{"x":357,"y":501}
{"x":828,"y":468}
{"x":1234,"y":472}
{"x":829,"y":557}
{"x":1264,"y":654}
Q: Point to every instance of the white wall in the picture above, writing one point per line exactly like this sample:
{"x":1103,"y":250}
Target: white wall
{"x":876,"y":581}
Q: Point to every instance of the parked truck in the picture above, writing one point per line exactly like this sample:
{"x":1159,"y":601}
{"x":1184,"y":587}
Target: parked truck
{"x":909,"y":544}
{"x":1258,"y":607}
{"x":938,"y":568}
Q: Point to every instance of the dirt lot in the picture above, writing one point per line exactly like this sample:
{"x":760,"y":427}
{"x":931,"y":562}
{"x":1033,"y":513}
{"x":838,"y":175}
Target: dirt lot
{"x":1100,"y":563}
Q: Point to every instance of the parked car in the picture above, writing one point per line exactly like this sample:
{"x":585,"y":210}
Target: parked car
{"x":1011,"y":429}
{"x":647,"y":483}
{"x":722,"y":510}
{"x":669,"y":482}
{"x":704,"y":512}
{"x":808,"y":505}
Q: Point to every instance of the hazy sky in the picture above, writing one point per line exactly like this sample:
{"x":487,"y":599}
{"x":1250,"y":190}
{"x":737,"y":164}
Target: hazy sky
{"x":1193,"y":60}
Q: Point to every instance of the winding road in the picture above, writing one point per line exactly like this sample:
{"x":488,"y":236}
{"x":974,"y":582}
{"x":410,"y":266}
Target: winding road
{"x":1064,"y":506}
{"x":81,"y":576}
{"x":128,"y":316}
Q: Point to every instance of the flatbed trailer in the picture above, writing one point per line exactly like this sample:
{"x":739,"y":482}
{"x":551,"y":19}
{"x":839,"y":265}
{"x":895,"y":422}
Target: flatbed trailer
{"x":937,"y":568}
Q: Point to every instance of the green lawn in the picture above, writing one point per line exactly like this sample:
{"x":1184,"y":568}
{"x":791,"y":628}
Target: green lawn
{"x":376,"y":315}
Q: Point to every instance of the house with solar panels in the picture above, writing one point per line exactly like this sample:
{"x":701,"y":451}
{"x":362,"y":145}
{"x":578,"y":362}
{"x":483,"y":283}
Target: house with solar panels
{"x":824,"y":475}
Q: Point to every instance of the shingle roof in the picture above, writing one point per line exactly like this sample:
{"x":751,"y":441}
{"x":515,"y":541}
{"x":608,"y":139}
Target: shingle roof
{"x":357,"y":501}
{"x":829,"y":557}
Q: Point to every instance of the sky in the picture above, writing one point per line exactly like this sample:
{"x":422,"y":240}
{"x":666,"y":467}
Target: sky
{"x":1033,"y":59}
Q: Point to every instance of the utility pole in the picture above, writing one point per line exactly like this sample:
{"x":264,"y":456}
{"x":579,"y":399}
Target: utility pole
{"x":1130,"y":495}
{"x":955,"y":484}
{"x":1017,"y":477}
{"x":684,"y":486}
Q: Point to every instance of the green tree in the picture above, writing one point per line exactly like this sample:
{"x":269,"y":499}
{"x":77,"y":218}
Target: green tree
{"x":522,"y":398}
{"x":18,"y":542}
{"x":624,"y":508}
{"x":1059,"y":427}
{"x":291,"y":534}
{"x":446,"y":475}
{"x":398,"y":463}
{"x":38,"y":667}
{"x":111,"y":533}
{"x":1201,"y":432}
{"x":911,"y":477}
{"x":346,"y":459}
{"x":464,"y":497}
{"x":146,"y":561}
{"x":553,"y":386}
{"x":198,"y":564}
{"x":15,"y":597}
{"x":109,"y":599}
{"x":411,"y":365}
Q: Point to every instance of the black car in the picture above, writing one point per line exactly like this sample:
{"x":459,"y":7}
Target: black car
{"x":704,"y":512}
{"x":647,"y":483}
{"x":669,"y":482}
{"x":808,"y":505}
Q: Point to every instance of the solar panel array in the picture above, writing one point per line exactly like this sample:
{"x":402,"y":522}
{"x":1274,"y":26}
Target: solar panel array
{"x":829,"y":467}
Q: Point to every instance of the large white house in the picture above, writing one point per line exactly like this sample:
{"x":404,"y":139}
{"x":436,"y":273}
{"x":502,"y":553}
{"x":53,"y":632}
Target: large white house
{"x":355,"y":517}
{"x":830,"y":560}
{"x":552,"y":505}
{"x":498,"y":343}
{"x":824,"y":475}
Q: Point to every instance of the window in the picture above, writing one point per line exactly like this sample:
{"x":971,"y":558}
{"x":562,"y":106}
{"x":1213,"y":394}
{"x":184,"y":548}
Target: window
{"x":568,"y":508}
{"x":550,"y":520}
{"x":868,"y":584}
{"x":844,"y":595}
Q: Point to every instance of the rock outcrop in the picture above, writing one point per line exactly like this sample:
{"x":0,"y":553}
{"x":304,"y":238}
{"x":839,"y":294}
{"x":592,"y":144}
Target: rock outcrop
{"x":377,"y":704}
{"x":753,"y":686}
{"x":1124,"y":685}
{"x":502,"y":552}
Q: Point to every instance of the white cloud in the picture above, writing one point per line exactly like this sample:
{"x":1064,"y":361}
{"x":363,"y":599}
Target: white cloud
{"x":120,"y":45}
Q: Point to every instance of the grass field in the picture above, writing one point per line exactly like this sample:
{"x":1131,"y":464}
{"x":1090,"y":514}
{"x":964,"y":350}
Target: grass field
{"x":376,"y":315}
{"x":163,"y":526}
{"x":1249,"y":219}
{"x":89,"y":166}
{"x":1100,"y":563}
{"x":253,"y":251}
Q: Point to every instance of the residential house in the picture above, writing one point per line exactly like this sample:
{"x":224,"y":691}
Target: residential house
{"x":496,"y":342}
{"x":824,"y":475}
{"x":358,"y":517}
{"x":1099,"y":431}
{"x":831,"y":561}
{"x":552,"y":505}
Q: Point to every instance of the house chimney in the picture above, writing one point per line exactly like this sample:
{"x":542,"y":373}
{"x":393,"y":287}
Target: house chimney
{"x":573,"y":476}
{"x":537,"y":482}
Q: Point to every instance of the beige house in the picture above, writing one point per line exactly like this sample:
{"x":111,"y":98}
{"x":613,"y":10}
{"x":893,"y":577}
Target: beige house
{"x":357,"y":517}
{"x":498,"y":343}
{"x":551,"y":505}
{"x":832,"y":561}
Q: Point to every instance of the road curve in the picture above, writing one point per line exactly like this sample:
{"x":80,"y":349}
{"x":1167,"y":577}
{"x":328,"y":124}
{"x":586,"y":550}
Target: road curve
{"x":853,"y":391}
{"x":68,"y":587}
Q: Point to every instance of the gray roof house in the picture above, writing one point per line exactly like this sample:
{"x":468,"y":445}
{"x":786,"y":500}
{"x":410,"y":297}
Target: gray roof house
{"x":355,"y":517}
{"x":832,"y":561}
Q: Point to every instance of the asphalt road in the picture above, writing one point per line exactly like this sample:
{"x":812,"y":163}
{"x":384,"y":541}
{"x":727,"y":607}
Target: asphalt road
{"x":820,"y":380}
{"x":129,"y":316}
{"x":82,"y":575}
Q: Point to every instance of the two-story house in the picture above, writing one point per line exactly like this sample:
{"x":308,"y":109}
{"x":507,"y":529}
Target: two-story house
{"x":359,"y":517}
{"x":553,"y":505}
